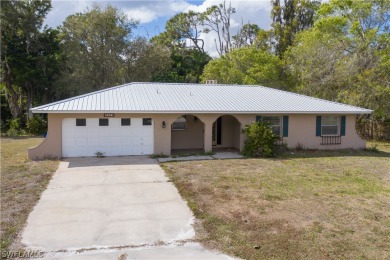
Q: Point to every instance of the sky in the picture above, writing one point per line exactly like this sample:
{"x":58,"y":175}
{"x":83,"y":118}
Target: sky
{"x":152,"y":15}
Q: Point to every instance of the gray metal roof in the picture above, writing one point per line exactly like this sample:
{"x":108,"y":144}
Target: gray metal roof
{"x":196,"y":98}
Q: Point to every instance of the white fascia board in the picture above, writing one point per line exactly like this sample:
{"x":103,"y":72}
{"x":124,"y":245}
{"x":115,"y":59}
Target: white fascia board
{"x":203,"y":112}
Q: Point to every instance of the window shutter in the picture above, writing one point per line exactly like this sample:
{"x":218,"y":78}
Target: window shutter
{"x":318,"y":126}
{"x":342,"y":129}
{"x":285,"y":126}
{"x":258,"y":118}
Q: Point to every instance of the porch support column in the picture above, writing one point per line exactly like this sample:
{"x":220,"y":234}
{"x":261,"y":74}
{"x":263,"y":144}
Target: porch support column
{"x":208,"y":136}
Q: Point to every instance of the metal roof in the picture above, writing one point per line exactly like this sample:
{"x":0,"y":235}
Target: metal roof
{"x":196,"y":98}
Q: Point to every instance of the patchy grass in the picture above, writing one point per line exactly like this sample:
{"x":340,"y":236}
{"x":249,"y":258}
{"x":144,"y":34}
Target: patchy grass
{"x":303,"y":204}
{"x":22,"y":182}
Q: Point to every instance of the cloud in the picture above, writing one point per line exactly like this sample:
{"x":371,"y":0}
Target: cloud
{"x":62,"y":9}
{"x":150,"y":11}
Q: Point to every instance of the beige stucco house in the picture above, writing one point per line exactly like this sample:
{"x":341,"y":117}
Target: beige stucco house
{"x":154,"y":118}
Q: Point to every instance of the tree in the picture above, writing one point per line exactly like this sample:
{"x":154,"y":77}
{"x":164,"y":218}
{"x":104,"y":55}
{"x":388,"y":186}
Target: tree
{"x":290,"y":18}
{"x":187,"y":66}
{"x":217,"y":19}
{"x":345,"y":56}
{"x":145,"y":60}
{"x":96,"y":44}
{"x":247,"y":65}
{"x":28,"y":57}
{"x":246,"y":36}
{"x":188,"y":57}
{"x":182,"y":30}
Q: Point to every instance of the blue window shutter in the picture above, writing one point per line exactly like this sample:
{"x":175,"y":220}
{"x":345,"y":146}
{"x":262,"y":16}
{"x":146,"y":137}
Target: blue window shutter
{"x":285,"y":126}
{"x":258,"y":118}
{"x":318,"y":126}
{"x":342,"y":129}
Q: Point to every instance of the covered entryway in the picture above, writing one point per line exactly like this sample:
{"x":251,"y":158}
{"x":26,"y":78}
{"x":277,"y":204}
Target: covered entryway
{"x":110,"y":136}
{"x":226,"y":133}
{"x":187,"y":134}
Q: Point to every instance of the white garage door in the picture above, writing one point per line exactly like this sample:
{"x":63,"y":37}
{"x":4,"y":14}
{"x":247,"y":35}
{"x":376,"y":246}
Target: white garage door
{"x":118,"y":138}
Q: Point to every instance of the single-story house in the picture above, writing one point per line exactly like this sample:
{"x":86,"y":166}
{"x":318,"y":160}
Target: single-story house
{"x":155,"y":118}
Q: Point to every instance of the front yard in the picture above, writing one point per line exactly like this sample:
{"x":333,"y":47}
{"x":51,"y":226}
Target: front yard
{"x":22,"y":182}
{"x":304,"y":204}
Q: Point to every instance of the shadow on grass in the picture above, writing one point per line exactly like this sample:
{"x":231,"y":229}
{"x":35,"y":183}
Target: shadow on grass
{"x":20,"y":137}
{"x":334,"y":153}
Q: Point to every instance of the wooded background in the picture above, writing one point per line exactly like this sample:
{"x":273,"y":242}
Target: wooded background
{"x":338,"y":50}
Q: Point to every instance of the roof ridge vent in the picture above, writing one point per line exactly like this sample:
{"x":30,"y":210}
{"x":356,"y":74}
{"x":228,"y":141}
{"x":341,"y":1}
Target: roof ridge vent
{"x":211,"y":81}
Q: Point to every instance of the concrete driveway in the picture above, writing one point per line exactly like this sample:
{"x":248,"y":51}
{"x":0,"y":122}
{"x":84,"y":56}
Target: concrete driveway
{"x":102,"y":208}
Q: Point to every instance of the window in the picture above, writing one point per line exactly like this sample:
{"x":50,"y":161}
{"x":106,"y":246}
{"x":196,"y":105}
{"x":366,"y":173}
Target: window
{"x":103,"y":121}
{"x":274,"y":123}
{"x":125,"y":121}
{"x":180,"y":124}
{"x":146,"y":121}
{"x":81,"y":122}
{"x":329,"y":125}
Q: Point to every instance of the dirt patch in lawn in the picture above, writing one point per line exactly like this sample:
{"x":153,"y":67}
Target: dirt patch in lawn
{"x":309,"y":204}
{"x":22,"y":182}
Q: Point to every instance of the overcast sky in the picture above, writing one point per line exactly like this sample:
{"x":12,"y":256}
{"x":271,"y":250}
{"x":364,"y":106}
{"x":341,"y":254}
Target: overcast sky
{"x":153,"y":15}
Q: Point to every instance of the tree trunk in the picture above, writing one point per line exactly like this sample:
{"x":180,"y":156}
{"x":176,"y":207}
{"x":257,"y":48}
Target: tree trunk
{"x":29,"y":100}
{"x":13,"y":97}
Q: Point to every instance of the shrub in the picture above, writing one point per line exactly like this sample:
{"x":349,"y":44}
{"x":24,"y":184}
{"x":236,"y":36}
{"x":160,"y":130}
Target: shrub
{"x":260,"y":140}
{"x":14,"y":123}
{"x":36,"y":125}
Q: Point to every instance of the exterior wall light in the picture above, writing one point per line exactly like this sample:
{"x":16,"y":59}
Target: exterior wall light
{"x":163,"y":124}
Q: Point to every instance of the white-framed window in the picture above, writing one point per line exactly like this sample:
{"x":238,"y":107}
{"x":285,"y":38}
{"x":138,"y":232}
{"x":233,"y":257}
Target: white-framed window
{"x":180,"y":123}
{"x":274,"y":123}
{"x":330,"y":125}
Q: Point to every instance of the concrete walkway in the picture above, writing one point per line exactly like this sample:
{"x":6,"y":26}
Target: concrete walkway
{"x":218,"y":155}
{"x":101,"y":208}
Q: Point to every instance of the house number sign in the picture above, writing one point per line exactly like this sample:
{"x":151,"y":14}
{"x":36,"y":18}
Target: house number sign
{"x":109,"y":115}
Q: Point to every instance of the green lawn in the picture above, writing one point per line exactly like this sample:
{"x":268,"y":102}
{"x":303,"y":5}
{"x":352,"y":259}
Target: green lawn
{"x":22,"y":182}
{"x":303,"y":204}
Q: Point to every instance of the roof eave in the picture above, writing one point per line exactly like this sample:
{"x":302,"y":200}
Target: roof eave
{"x":199,"y":112}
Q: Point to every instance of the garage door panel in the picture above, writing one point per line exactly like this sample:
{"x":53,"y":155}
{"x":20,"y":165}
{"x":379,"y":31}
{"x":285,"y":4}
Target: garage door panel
{"x":126,"y":141}
{"x":136,"y":121}
{"x":104,"y":131}
{"x":68,"y":122}
{"x":112,"y":140}
{"x":93,"y":132}
{"x":81,"y":141}
{"x":92,"y":122}
{"x":68,"y":132}
{"x":147,"y":149}
{"x":93,"y":141}
{"x":127,"y":149}
{"x":115,"y":122}
{"x":117,"y":141}
{"x":104,"y":142}
{"x":68,"y":142}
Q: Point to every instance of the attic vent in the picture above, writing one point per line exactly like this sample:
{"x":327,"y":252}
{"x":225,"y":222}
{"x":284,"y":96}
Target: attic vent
{"x":211,"y":81}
